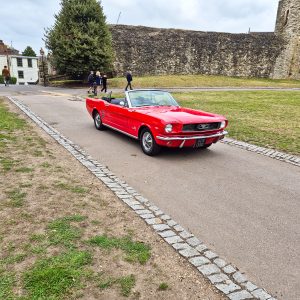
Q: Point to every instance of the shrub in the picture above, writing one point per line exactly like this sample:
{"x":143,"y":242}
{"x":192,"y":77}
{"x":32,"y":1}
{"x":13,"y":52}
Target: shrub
{"x":13,"y":80}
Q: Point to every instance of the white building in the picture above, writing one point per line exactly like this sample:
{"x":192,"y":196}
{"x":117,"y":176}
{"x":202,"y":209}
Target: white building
{"x":24,"y":68}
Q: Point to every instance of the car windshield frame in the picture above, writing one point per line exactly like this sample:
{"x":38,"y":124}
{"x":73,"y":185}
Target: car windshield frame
{"x":145,"y":98}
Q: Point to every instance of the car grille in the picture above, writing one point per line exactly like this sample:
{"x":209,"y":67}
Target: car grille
{"x":201,"y":126}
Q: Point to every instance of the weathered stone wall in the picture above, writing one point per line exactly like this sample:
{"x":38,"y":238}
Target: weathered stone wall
{"x":288,"y":27}
{"x":154,"y":51}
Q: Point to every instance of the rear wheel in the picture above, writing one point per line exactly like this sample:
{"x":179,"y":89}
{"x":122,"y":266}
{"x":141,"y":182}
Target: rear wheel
{"x":97,"y":121}
{"x":148,"y":143}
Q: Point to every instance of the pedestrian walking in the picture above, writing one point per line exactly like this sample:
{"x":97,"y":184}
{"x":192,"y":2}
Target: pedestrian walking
{"x":6,"y":76}
{"x":129,"y":80}
{"x":98,"y":81}
{"x":91,"y":81}
{"x":104,"y":83}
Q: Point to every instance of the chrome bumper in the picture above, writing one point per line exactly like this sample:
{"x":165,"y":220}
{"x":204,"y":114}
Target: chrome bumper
{"x":185,"y":138}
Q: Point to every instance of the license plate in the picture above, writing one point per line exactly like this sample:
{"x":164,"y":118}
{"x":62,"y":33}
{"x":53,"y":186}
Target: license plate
{"x":199,"y":143}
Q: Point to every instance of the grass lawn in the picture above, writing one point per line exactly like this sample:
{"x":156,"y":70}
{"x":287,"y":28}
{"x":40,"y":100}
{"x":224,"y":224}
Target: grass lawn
{"x":265,"y":118}
{"x":202,"y":81}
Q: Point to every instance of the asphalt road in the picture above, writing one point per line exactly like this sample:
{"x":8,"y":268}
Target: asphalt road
{"x":243,"y":205}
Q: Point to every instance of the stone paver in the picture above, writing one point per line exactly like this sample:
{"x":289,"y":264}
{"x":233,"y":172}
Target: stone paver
{"x":227,"y":288}
{"x":167,"y":233}
{"x":249,"y":286}
{"x":199,"y":261}
{"x":210,"y":254}
{"x":218,"y":278}
{"x":141,"y":210}
{"x":240,"y":295}
{"x":229,"y":269}
{"x":179,"y":246}
{"x":201,"y":248}
{"x":220,"y":262}
{"x":193,"y":241}
{"x":161,"y":227}
{"x":189,"y":252}
{"x":239,"y":277}
{"x":185,"y":234}
{"x":209,"y":269}
{"x":261,"y":294}
{"x":153,"y":221}
{"x":147,"y":216}
{"x":173,"y":239}
{"x":171,"y":223}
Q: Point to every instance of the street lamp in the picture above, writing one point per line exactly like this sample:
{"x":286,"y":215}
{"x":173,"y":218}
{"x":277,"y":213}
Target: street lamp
{"x":42,"y":53}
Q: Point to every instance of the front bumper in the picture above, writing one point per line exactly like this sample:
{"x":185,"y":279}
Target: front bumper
{"x":189,"y":141}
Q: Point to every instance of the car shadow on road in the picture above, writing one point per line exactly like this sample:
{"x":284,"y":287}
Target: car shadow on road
{"x":187,"y":153}
{"x":168,"y":153}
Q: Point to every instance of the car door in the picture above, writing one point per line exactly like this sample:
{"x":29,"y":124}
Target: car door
{"x":118,"y":117}
{"x":104,"y":110}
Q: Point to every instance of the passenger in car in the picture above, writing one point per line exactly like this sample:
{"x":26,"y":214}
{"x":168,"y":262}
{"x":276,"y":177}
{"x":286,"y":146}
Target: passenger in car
{"x":116,"y":101}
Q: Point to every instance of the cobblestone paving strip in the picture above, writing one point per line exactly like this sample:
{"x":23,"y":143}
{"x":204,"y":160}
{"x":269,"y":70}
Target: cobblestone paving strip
{"x":291,"y":159}
{"x":221,"y":274}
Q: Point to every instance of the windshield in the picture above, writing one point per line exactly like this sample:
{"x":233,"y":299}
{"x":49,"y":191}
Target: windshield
{"x":151,"y":98}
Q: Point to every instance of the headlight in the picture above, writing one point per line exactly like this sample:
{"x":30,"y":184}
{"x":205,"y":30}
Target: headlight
{"x":168,"y":128}
{"x":223,"y":123}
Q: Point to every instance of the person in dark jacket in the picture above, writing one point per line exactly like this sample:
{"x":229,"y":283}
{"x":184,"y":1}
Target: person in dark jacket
{"x":129,"y":79}
{"x":91,"y":81}
{"x":104,"y":83}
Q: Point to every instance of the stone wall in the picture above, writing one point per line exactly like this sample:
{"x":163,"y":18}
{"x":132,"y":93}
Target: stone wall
{"x":154,"y":51}
{"x":288,"y":28}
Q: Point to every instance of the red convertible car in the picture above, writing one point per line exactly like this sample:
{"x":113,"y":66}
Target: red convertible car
{"x":155,"y":119}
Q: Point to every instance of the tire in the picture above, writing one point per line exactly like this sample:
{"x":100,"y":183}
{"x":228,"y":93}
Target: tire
{"x":205,"y":146}
{"x":97,"y":121}
{"x":148,"y":143}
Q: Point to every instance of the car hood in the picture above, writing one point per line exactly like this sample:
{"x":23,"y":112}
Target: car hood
{"x":174,"y":114}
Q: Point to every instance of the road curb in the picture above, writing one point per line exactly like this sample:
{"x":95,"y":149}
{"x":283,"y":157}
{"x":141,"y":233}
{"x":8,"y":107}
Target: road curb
{"x":291,"y":159}
{"x":223,"y":275}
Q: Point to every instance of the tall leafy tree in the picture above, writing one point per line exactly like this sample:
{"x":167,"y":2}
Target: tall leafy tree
{"x":80,"y":39}
{"x":29,"y":52}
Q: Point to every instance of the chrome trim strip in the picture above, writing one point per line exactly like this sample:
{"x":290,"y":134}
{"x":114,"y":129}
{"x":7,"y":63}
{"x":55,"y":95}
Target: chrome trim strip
{"x":177,"y":138}
{"x":181,"y":145}
{"x":199,"y":131}
{"x":121,"y":131}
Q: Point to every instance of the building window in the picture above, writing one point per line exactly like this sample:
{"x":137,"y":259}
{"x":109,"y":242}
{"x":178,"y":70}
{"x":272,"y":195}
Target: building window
{"x":19,"y":62}
{"x":21,"y":74}
{"x":29,"y":61}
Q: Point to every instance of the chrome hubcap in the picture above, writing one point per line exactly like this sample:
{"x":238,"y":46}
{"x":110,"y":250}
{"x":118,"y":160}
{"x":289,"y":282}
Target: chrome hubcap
{"x":147,"y":141}
{"x":98,"y":120}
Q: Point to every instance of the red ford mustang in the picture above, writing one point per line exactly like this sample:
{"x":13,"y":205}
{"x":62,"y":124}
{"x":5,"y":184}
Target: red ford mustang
{"x":155,"y":119}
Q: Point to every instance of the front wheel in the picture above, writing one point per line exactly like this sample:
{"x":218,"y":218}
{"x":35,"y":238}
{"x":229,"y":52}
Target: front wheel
{"x":148,"y":143}
{"x":206,"y":146}
{"x":97,"y":121}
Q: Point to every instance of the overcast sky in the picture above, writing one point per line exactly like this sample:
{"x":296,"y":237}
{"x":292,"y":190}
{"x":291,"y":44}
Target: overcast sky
{"x":22,"y":22}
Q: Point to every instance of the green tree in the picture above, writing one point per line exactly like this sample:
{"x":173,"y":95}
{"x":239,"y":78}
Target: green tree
{"x":80,"y":39}
{"x":29,"y":52}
